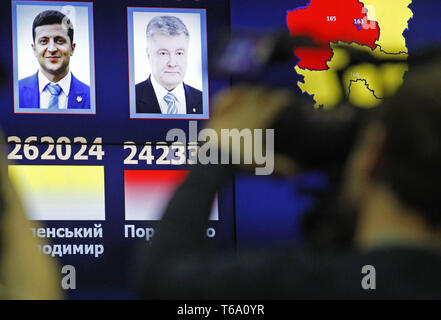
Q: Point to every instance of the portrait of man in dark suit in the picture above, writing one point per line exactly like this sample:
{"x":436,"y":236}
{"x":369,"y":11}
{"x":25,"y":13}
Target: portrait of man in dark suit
{"x":53,"y":87}
{"x":164,"y":91}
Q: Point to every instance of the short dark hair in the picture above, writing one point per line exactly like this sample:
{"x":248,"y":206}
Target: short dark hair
{"x":53,"y":17}
{"x":412,"y":156}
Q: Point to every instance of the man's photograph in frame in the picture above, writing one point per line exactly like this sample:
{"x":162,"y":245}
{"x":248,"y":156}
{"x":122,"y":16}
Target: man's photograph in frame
{"x":53,"y":57}
{"x":167,"y":63}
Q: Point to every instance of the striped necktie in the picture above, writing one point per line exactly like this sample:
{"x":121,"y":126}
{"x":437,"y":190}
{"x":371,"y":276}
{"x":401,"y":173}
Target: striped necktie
{"x":55,"y":91}
{"x":171,"y":100}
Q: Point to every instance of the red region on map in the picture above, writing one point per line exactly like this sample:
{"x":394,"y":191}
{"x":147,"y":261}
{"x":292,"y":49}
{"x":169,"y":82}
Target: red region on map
{"x":330,"y":21}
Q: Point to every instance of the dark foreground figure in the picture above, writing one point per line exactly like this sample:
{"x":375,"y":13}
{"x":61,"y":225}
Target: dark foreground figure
{"x":390,"y":189}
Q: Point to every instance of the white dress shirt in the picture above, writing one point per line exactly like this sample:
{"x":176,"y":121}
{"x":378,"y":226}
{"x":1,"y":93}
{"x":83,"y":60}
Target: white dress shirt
{"x":45,"y":95}
{"x":178,"y":92}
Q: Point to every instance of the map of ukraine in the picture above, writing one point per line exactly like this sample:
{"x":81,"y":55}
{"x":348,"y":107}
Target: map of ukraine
{"x":376,"y":26}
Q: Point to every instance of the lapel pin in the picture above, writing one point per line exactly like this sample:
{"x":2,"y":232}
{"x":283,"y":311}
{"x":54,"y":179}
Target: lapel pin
{"x":79,"y":99}
{"x":194,"y":109}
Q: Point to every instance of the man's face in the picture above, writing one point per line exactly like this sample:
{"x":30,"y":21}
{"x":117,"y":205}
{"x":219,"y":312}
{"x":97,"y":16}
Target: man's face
{"x":53,"y":48}
{"x":168,"y":59}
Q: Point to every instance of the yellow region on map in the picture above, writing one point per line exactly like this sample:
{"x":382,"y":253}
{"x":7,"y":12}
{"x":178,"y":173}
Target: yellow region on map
{"x":365,"y":84}
{"x":324,"y":85}
{"x":393,"y":17}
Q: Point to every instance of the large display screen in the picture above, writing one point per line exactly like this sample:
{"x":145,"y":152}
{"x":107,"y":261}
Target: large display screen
{"x":94,"y":88}
{"x":405,"y":27}
{"x":86,"y":112}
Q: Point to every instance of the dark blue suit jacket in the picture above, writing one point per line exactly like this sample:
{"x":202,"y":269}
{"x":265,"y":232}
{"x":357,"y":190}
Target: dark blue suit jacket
{"x":146,"y":101}
{"x":29,"y":96}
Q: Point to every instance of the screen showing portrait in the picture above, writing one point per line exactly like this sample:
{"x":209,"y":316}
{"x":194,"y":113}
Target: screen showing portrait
{"x":167,"y":63}
{"x":90,"y":167}
{"x":53,"y":57}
